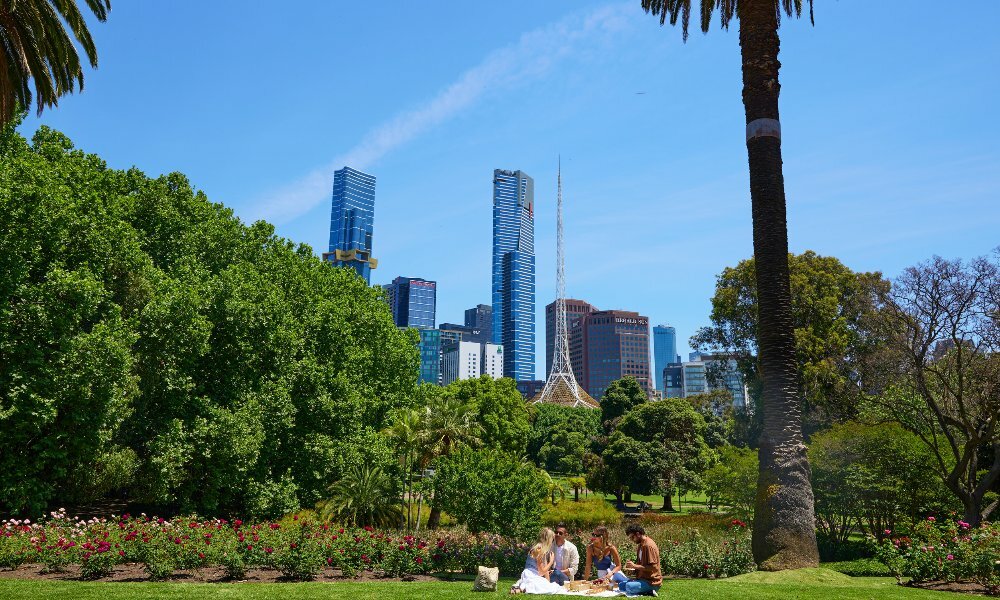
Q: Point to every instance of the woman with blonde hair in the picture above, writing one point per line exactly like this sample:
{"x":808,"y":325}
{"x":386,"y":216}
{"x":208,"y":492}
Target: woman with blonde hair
{"x":535,"y":576}
{"x":603,"y":555}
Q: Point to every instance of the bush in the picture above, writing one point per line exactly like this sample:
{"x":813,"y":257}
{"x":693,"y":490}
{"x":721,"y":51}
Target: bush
{"x":491,"y":492}
{"x":698,"y":557}
{"x":945,"y":550}
{"x":585,"y":514}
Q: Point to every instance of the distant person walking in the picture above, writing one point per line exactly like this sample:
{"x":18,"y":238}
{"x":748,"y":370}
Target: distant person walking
{"x":647,"y":577}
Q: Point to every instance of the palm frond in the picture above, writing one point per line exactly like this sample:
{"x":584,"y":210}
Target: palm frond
{"x":673,"y":10}
{"x":37,"y":49}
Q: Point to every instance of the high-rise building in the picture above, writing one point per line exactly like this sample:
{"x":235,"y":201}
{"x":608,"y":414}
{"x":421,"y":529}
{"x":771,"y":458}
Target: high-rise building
{"x":461,"y":333}
{"x":413,"y":301}
{"x":481,"y":317}
{"x":466,"y":360}
{"x":352,"y":221}
{"x":664,"y":352}
{"x":514,"y":271}
{"x":673,"y":380}
{"x":430,"y":356}
{"x":707,"y":372}
{"x":575,"y":310}
{"x":612,"y":344}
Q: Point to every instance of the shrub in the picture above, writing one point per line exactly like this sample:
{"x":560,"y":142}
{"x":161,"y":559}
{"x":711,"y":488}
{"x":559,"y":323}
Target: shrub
{"x":301,"y":559}
{"x":699,"y":557}
{"x":585,"y":514}
{"x":945,"y":550}
{"x":490,"y":492}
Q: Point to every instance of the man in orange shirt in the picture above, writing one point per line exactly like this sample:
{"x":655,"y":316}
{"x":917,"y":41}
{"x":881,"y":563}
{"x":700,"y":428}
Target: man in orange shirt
{"x":647,"y":577}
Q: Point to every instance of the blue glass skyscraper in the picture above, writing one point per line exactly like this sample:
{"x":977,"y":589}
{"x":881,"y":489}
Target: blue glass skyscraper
{"x":664,"y":352}
{"x":412,"y":301}
{"x":352,"y":220}
{"x":514,"y":271}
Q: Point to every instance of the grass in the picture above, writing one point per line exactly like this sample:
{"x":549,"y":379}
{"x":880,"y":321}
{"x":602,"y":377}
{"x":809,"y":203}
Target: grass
{"x":805,"y":583}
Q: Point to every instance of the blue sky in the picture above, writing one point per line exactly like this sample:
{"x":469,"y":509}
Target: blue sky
{"x":891,"y":140}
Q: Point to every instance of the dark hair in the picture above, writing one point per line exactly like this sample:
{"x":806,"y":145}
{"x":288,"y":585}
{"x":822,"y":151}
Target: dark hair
{"x":634,"y":528}
{"x":561,"y":525}
{"x":602,"y":532}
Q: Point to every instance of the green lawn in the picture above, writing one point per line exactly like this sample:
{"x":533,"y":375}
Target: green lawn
{"x":807,"y":583}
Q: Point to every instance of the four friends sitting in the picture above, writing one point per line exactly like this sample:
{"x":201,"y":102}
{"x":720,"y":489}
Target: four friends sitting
{"x":554,"y":560}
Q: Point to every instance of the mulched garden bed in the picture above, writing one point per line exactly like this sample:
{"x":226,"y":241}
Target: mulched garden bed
{"x":134,"y":572}
{"x":962,"y":587}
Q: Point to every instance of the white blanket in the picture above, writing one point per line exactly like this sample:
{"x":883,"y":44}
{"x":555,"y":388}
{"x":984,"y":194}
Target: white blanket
{"x":533,"y":583}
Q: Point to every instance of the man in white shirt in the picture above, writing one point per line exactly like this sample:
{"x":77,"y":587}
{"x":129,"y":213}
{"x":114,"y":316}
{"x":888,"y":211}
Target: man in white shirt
{"x":567,"y":557}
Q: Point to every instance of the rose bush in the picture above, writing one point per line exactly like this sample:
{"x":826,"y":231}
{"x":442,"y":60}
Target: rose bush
{"x":302,"y":548}
{"x":945,"y":550}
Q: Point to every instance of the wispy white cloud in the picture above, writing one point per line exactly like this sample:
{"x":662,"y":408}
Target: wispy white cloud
{"x":531,"y":57}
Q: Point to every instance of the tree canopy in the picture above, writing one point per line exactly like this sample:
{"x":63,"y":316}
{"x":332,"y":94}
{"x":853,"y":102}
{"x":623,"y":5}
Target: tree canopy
{"x":153,"y":345}
{"x":830,"y":307}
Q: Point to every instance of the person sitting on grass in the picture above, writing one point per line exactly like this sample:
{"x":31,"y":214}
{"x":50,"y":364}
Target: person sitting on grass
{"x":647,"y":578}
{"x":567,"y":557}
{"x":604,"y":557}
{"x":537,"y":568}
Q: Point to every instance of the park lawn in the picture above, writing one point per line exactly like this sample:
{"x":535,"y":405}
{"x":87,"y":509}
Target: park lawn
{"x":805,"y":583}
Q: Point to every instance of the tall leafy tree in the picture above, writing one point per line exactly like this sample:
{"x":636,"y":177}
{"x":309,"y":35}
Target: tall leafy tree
{"x":659,"y":445}
{"x":38,"y":51}
{"x":941,"y":370}
{"x":621,"y":396}
{"x":153,"y":345}
{"x":501,"y":412}
{"x":784,"y":532}
{"x":831,"y":308}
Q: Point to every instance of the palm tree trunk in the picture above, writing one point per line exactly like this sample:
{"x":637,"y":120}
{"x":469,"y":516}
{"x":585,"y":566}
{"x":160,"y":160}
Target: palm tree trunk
{"x":784,"y":531}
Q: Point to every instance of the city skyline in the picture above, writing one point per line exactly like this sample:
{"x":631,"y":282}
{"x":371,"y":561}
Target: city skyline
{"x":449,"y":98}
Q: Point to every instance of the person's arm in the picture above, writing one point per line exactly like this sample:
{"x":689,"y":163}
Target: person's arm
{"x":545,"y":564}
{"x":617,"y":560}
{"x":590,"y":560}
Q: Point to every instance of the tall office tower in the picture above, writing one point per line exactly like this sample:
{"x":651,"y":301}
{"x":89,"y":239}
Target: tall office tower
{"x":514,"y":271}
{"x":413,"y":301}
{"x":664,"y":353}
{"x":575,"y":310}
{"x":430,"y":356}
{"x":615,"y":344}
{"x":481,"y":318}
{"x":352,"y":219}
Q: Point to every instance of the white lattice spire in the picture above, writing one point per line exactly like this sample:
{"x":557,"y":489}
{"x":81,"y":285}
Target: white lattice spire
{"x":561,"y":386}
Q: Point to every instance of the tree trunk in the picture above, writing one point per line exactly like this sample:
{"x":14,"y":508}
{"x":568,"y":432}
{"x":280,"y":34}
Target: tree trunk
{"x":784,"y":529}
{"x":668,"y":501}
{"x":628,"y":495}
{"x":420,"y":505}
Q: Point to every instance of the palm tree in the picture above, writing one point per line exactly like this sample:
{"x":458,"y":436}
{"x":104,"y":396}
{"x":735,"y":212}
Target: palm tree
{"x":37,"y":47}
{"x":449,"y":423}
{"x":784,"y":532}
{"x":365,"y":495}
{"x":407,"y":433}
